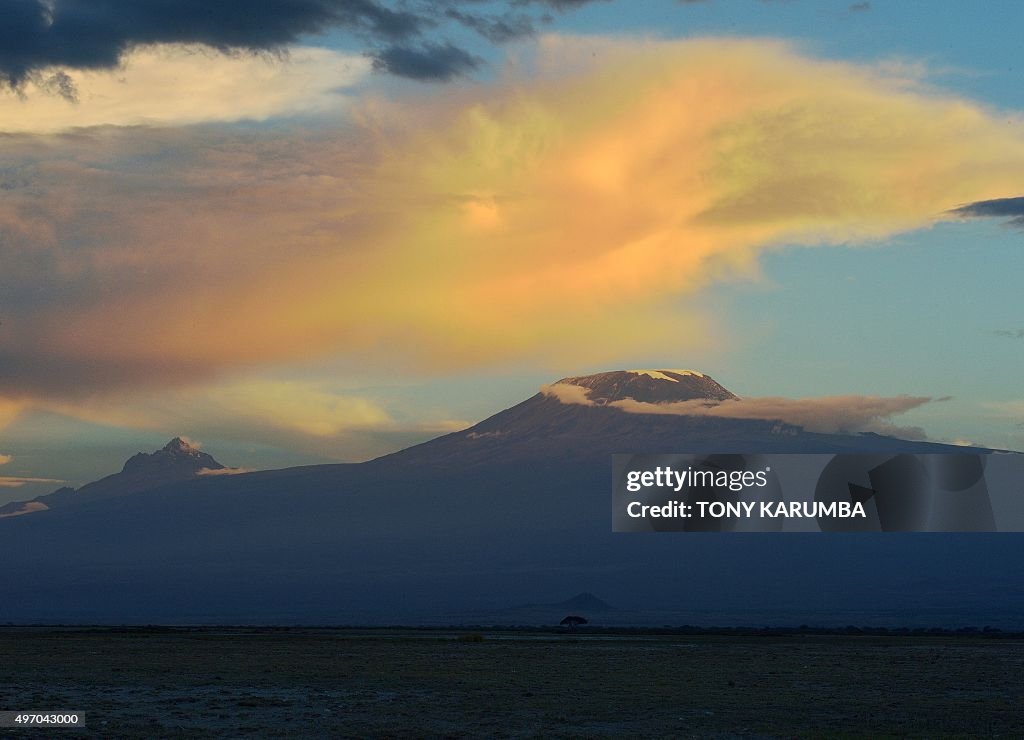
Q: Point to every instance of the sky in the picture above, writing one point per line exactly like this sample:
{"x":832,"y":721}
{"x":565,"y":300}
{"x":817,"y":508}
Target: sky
{"x":322,"y":230}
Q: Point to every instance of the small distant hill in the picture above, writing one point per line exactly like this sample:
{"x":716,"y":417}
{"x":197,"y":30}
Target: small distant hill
{"x":178,"y":460}
{"x":594,"y":609}
{"x":585,"y":603}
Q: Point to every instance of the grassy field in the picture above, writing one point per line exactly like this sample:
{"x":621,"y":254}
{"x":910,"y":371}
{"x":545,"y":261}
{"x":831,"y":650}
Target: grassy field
{"x":337,"y":683}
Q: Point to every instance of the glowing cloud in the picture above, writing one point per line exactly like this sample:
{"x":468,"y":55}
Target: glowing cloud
{"x":13,"y":482}
{"x":28,"y":508}
{"x":303,"y":416}
{"x":223,"y":471}
{"x":301,"y":408}
{"x":558,"y":218}
{"x":284,"y":406}
{"x":10,"y":410}
{"x":176,"y":84}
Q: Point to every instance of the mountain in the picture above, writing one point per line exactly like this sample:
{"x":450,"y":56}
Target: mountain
{"x":544,"y":427}
{"x":514,"y":510}
{"x":178,"y":460}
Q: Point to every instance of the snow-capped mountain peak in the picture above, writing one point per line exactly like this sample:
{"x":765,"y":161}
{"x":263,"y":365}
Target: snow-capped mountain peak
{"x":650,"y":386}
{"x":662,"y":374}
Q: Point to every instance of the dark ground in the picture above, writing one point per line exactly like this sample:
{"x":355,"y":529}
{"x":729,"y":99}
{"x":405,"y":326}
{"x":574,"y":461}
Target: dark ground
{"x":358,"y":683}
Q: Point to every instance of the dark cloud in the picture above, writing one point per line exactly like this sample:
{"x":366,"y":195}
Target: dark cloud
{"x":95,"y":33}
{"x":1011,"y":333}
{"x":860,"y":7}
{"x":498,"y":29}
{"x":59,"y":84}
{"x":560,"y":4}
{"x":401,"y":34}
{"x":429,"y":62}
{"x":1010,"y":208}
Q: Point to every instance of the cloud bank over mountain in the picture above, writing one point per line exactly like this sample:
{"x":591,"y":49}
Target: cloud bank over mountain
{"x":846,"y":414}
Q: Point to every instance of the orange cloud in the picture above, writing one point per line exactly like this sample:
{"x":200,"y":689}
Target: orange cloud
{"x":14,"y":482}
{"x":560,"y":216}
{"x":9,"y":411}
{"x":223,"y":471}
{"x":28,"y":508}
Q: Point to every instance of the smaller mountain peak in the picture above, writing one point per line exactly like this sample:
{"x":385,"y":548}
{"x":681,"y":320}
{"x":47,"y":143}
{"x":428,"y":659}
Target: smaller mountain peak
{"x":181,"y":453}
{"x":182,"y":445}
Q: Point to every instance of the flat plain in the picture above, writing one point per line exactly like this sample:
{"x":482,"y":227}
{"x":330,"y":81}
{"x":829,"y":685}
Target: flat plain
{"x":260,"y":682}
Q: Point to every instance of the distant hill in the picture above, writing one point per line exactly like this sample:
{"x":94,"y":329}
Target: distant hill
{"x":584,"y":603}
